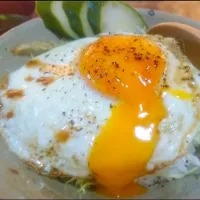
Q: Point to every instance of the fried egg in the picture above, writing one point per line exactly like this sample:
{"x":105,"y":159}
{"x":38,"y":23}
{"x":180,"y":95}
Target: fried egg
{"x":119,"y":110}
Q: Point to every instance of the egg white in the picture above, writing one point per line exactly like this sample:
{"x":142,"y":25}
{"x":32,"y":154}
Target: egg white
{"x":45,"y":110}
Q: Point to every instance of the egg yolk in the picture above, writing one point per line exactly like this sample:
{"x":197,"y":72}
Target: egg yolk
{"x":127,"y":68}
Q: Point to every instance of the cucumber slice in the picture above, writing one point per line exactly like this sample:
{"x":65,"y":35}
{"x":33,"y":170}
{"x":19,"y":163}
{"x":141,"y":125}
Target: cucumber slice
{"x":55,"y":18}
{"x":94,"y":15}
{"x":76,"y":12}
{"x":114,"y":16}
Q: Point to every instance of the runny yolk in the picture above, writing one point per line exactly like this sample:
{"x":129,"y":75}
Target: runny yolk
{"x":127,"y":68}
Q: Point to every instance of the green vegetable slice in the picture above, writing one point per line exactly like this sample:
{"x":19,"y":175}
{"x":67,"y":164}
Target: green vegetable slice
{"x":55,"y":19}
{"x":75,"y":19}
{"x":76,"y":12}
{"x":114,"y":16}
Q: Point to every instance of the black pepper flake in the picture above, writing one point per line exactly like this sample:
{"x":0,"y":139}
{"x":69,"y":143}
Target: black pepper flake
{"x":101,"y":75}
{"x":187,"y":70}
{"x":155,"y":63}
{"x":186,"y":67}
{"x":116,"y":64}
{"x":85,"y":95}
{"x":79,"y":129}
{"x":147,"y":57}
{"x":138,"y":57}
{"x":81,"y":119}
{"x":47,"y":55}
{"x":132,"y":48}
{"x":95,"y":71}
{"x":111,"y":106}
{"x":72,"y":122}
{"x":62,"y":60}
{"x":43,"y":89}
{"x":149,"y":185}
{"x":106,"y":49}
{"x":64,"y":113}
{"x":47,"y":97}
{"x":165,"y":86}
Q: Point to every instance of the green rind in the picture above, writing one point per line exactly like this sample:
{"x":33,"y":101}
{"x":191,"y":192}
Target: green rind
{"x":73,"y":9}
{"x":43,"y":9}
{"x":94,"y":15}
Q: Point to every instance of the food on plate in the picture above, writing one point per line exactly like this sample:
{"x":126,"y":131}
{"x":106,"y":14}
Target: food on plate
{"x":115,"y":112}
{"x":33,"y":48}
{"x":73,"y":20}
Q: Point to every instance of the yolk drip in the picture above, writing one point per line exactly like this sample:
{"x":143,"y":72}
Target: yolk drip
{"x":127,"y":68}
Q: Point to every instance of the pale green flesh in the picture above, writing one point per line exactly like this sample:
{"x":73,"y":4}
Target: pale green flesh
{"x":49,"y":12}
{"x":114,"y":16}
{"x":44,"y":11}
{"x":85,"y":23}
{"x":59,"y":13}
{"x":119,"y":17}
